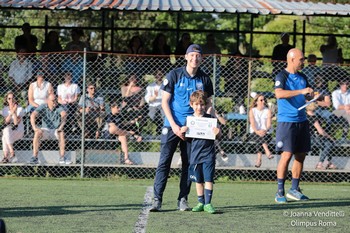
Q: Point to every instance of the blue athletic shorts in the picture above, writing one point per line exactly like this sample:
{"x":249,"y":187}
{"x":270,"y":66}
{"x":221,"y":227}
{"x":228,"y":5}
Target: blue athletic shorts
{"x":293,"y":137}
{"x":203,"y":172}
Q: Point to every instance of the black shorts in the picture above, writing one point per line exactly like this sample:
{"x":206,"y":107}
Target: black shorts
{"x":293,"y":137}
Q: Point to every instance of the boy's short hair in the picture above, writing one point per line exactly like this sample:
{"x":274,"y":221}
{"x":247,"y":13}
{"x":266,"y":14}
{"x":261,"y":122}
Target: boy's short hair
{"x":199,"y":96}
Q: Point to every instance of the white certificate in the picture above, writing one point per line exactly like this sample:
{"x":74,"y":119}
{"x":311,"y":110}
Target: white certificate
{"x":308,"y":103}
{"x":201,"y":127}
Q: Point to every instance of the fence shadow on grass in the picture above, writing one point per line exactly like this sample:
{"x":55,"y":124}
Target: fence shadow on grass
{"x":63,"y":210}
{"x":312,"y":203}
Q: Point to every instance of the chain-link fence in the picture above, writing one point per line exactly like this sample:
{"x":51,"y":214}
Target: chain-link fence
{"x":110,"y":90}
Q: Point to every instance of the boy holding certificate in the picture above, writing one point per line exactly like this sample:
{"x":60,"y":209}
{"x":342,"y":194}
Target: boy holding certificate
{"x":202,"y":161}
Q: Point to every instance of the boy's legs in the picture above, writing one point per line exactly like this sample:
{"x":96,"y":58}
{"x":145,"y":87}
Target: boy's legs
{"x":196,"y":175}
{"x":200,"y":190}
{"x":208,"y":174}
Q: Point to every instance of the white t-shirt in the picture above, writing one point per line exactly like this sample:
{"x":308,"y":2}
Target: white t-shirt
{"x":67,"y":93}
{"x":339,"y":98}
{"x":41,"y":93}
{"x":150,"y":90}
{"x":260,"y":118}
{"x":20,"y":112}
{"x":21,"y":72}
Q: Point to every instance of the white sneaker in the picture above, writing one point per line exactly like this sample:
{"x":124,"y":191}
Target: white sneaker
{"x":68,"y":161}
{"x":63,"y":160}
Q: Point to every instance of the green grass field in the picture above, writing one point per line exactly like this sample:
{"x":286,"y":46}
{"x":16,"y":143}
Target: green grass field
{"x":66,"y":206}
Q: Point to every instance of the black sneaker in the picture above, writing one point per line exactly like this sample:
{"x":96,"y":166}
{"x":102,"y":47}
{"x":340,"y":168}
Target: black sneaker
{"x":156,"y":206}
{"x":34,"y":160}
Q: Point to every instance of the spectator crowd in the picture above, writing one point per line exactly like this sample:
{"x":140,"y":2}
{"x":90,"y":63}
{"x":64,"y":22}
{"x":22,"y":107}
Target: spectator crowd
{"x":44,"y":96}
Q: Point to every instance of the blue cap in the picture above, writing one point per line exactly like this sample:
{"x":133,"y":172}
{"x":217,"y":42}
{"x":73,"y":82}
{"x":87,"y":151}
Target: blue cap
{"x":194,"y":48}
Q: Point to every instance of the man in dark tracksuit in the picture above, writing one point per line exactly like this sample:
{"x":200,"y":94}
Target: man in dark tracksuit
{"x":177,"y":89}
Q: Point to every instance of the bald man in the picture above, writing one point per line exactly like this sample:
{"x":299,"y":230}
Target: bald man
{"x":53,"y":119}
{"x":292,"y":135}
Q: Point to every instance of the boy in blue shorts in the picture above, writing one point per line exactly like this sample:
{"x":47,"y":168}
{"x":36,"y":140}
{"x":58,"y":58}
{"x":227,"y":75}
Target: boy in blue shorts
{"x":202,"y":161}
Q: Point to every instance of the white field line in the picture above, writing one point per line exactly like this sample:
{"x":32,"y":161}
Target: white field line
{"x":140,"y":225}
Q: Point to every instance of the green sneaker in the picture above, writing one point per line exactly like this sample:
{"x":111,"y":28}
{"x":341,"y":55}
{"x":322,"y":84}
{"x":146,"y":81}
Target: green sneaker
{"x":198,"y":208}
{"x":209,"y":208}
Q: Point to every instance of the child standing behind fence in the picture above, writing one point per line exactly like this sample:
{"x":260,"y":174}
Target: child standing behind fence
{"x":202,"y":161}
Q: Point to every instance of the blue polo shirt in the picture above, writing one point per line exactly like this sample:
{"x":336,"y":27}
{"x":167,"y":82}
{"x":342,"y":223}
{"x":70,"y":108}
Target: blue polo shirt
{"x":181,"y":85}
{"x":288,"y":107}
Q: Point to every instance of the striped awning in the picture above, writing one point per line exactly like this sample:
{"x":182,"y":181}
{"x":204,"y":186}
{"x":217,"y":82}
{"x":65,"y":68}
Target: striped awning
{"x":263,"y":7}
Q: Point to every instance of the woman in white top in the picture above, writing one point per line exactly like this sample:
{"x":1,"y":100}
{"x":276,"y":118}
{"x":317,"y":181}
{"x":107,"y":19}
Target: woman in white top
{"x":154,"y":99}
{"x":260,"y":126}
{"x":14,"y":129}
{"x":68,"y":92}
{"x":39,"y":91}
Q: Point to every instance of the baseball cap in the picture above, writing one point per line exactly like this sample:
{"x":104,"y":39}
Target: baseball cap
{"x":194,"y":48}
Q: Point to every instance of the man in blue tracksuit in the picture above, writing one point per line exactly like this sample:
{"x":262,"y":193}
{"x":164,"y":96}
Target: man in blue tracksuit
{"x":177,"y":89}
{"x":293,"y":133}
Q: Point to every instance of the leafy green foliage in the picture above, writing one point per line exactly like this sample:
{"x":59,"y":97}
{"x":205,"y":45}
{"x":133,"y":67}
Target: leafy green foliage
{"x":139,"y":23}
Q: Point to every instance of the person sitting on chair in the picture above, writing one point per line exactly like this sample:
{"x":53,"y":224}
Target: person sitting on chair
{"x":13,"y":129}
{"x":116,"y":126}
{"x":53,"y":120}
{"x":321,"y":138}
{"x":260,"y":126}
{"x":94,"y":112}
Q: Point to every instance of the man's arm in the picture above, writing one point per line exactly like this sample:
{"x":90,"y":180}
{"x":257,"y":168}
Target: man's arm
{"x":285,"y":94}
{"x":326,"y":102}
{"x":166,"y":108}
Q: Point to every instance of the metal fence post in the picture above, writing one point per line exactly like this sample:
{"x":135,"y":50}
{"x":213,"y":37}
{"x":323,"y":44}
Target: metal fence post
{"x":214,"y":80}
{"x":83,"y":118}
